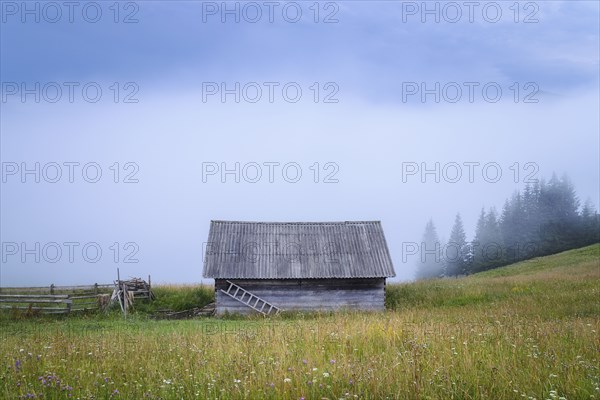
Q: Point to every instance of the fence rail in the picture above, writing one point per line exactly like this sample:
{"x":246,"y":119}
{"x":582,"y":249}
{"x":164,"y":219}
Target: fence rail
{"x":53,"y":289}
{"x":65,"y":299}
{"x":39,"y":303}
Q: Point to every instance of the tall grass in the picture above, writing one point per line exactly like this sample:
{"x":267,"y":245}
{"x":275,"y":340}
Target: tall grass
{"x":532,"y":335}
{"x":178,"y":297}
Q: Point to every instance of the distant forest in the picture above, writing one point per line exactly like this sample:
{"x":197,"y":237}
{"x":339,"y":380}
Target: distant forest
{"x":545,"y":218}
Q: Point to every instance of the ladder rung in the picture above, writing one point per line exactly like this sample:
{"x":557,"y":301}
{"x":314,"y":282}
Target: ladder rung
{"x":255,"y":305}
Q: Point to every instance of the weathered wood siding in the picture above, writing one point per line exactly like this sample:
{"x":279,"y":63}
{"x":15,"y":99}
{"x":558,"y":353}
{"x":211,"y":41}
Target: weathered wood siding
{"x":306,"y":294}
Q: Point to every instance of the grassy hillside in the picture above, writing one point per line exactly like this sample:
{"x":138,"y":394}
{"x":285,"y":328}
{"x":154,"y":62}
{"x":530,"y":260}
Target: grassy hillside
{"x":564,"y":285}
{"x":529,"y":331}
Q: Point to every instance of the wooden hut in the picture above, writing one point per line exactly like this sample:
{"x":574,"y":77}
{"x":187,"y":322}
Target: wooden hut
{"x":272,"y":266}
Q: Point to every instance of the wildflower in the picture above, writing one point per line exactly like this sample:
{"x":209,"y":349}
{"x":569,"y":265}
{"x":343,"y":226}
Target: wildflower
{"x":236,"y":381}
{"x":325,"y":374}
{"x":287,"y":380}
{"x":331,"y":362}
{"x":304,"y":362}
{"x":18,"y":365}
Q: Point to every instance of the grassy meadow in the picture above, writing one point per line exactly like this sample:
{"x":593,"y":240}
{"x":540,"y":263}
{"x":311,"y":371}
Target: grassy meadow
{"x":526,"y":331}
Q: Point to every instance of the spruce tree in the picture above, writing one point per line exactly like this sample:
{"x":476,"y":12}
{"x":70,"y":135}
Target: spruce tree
{"x":494,"y":245}
{"x":430,"y":263}
{"x":455,"y":254}
{"x":477,"y":259}
{"x":559,"y":216}
{"x":589,"y":224}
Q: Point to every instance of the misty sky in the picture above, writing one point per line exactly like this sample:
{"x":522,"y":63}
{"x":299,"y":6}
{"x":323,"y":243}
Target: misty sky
{"x":356,"y":102}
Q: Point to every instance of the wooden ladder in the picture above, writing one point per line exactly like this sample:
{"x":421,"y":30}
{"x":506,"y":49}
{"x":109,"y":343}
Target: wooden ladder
{"x":250,"y":300}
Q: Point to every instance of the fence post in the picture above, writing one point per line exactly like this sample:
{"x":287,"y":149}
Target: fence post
{"x":69,"y":304}
{"x":96,"y":288}
{"x":125,"y":300}
{"x":52,"y":288}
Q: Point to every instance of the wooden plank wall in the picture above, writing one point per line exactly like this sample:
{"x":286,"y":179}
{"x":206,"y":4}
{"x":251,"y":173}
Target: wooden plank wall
{"x":307,"y":294}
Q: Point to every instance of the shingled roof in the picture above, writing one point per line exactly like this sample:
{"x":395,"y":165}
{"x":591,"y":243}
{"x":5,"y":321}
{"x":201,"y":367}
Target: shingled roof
{"x":296,"y":250}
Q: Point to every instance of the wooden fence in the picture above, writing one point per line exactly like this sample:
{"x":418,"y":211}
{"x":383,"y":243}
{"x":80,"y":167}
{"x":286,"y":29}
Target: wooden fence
{"x":54,"y":299}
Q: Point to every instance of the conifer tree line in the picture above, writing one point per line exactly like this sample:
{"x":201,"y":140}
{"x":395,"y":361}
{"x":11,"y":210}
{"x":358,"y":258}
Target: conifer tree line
{"x":545,"y":218}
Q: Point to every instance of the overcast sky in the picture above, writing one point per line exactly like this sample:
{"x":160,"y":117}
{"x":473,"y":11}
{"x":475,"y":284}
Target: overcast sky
{"x":358,"y":97}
